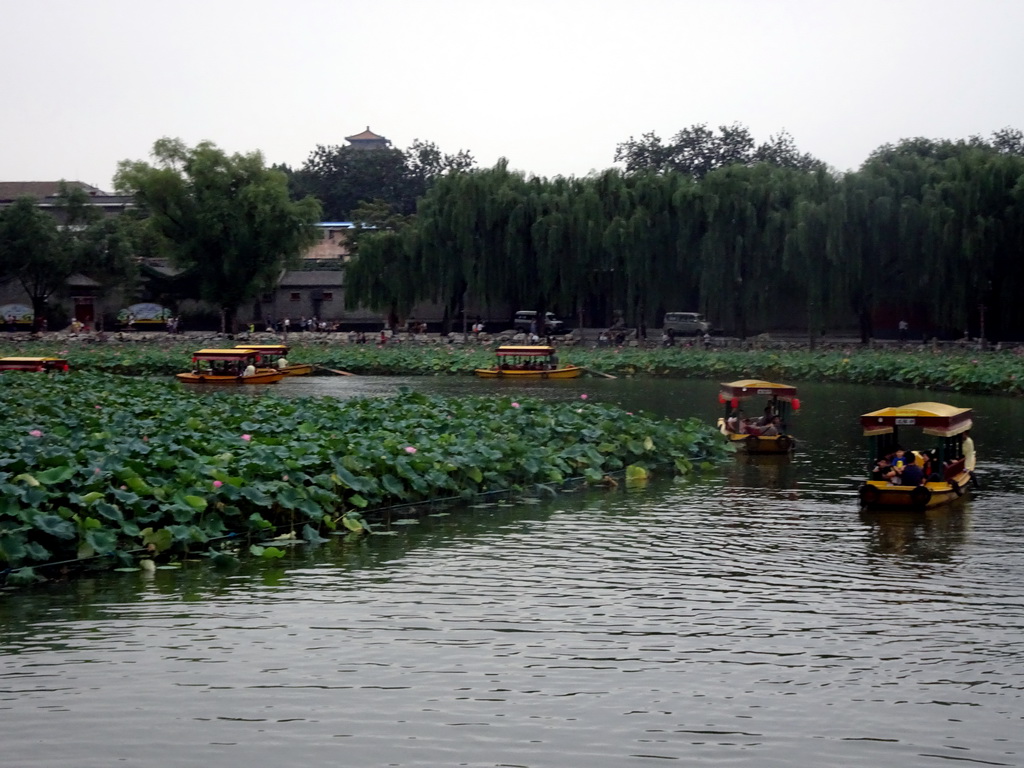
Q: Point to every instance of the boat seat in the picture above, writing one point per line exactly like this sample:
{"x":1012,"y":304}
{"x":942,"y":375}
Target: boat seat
{"x":953,"y":470}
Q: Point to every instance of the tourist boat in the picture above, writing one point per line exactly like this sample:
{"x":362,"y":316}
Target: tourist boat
{"x":949,"y":425}
{"x":528,"y":362}
{"x":271,"y":353}
{"x":33,"y":364}
{"x":227,"y":366}
{"x":747,"y":437}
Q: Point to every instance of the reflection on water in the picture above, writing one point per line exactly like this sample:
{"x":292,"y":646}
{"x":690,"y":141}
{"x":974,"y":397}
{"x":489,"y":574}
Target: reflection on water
{"x":930,"y":536}
{"x":750,"y":615}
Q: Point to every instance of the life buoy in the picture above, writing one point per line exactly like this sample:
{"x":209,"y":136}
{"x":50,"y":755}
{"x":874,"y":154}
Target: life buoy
{"x":868,"y":495}
{"x":957,"y":488}
{"x":920,"y":497}
{"x":785,"y":442}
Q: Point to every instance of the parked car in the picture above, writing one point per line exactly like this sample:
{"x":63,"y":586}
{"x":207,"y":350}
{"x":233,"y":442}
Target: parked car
{"x":686,"y":323}
{"x":525,"y":317}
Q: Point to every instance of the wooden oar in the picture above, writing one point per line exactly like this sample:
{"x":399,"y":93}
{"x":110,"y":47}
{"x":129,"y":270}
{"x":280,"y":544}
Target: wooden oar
{"x":606,"y":375}
{"x":334,"y":370}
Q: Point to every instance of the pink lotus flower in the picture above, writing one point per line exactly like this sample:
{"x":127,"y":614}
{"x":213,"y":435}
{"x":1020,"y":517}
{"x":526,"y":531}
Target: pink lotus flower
{"x":96,"y":471}
{"x":35,"y":433}
{"x":247,"y":438}
{"x":515,"y":405}
{"x":285,"y":478}
{"x":410,"y":449}
{"x":98,"y":407}
{"x":583,"y":396}
{"x":217,"y":483}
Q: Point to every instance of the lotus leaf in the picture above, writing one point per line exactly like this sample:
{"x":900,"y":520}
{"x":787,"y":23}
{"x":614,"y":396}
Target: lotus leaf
{"x":310,"y":535}
{"x":171,"y":460}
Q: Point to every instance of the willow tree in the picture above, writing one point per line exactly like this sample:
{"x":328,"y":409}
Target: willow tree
{"x":747,"y":213}
{"x":228,"y":219}
{"x":811,"y":252}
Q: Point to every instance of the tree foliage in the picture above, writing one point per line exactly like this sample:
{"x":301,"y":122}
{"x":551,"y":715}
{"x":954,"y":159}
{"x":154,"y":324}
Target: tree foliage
{"x":30,"y":251}
{"x":698,"y":150}
{"x":42,"y":250}
{"x":343,"y":177}
{"x":926,"y":226}
{"x":227,"y":219}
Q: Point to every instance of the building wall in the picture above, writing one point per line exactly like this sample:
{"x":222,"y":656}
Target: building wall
{"x":333,"y":242}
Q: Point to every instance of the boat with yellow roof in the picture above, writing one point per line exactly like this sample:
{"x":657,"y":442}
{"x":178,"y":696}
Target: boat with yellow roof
{"x":946,"y":469}
{"x":230,"y":367}
{"x":33,"y":364}
{"x":767,"y":434}
{"x":528,"y":362}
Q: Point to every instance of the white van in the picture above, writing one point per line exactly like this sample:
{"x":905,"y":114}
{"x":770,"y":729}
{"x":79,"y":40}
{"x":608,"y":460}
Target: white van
{"x":686,"y":323}
{"x":525,"y":317}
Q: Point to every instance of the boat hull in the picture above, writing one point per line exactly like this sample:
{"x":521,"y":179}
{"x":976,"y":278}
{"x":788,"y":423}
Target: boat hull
{"x":566,"y":372}
{"x":299,"y":369}
{"x":877,"y":495}
{"x":758,"y":444}
{"x":260,"y":377}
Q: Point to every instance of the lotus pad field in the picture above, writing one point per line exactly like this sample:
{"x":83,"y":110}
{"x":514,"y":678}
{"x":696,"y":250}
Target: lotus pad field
{"x":958,"y":370}
{"x":102,"y":469}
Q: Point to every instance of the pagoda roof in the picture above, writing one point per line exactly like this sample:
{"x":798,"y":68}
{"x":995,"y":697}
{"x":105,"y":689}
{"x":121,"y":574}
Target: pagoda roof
{"x":366,"y":135}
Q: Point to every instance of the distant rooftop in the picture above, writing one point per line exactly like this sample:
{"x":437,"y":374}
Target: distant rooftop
{"x":12,"y":190}
{"x":367,"y":140}
{"x":366,"y":135}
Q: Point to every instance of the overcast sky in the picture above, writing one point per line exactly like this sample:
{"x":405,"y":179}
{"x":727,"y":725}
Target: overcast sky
{"x":552,"y":85}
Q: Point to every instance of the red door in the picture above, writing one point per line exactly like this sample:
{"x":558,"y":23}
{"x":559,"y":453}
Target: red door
{"x":84,"y":312}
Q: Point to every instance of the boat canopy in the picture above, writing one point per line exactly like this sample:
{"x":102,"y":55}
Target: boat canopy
{"x":514,"y":351}
{"x":224,"y":354}
{"x":33,"y":363}
{"x":270,"y":349}
{"x":747,"y":388}
{"x":936,"y":419}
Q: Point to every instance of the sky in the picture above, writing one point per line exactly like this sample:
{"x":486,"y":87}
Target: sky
{"x":553,"y":86}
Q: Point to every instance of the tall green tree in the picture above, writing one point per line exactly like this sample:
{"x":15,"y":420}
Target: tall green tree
{"x":698,"y":150}
{"x":110,"y":250}
{"x":227,"y":219}
{"x":344,"y":177}
{"x":30,"y":252}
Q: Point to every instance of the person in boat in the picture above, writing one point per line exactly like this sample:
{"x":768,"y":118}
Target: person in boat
{"x":735,"y":423}
{"x":774,"y":427}
{"x":899,"y":459}
{"x":282,"y":363}
{"x":250,"y":370}
{"x":912,"y":474}
{"x":969,"y":457}
{"x":553,"y":361}
{"x":883,"y":470}
{"x":766,"y":418}
{"x":930,"y":466}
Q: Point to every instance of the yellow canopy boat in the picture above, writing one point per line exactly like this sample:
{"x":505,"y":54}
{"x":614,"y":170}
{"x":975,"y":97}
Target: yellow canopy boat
{"x":528,"y":362}
{"x":765,"y":434}
{"x":946,"y":470}
{"x":228,"y":366}
{"x":272,"y":355}
{"x":33,"y":364}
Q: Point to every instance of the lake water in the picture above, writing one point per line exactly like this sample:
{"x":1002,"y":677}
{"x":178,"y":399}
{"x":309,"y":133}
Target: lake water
{"x":748,"y":616}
